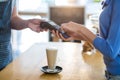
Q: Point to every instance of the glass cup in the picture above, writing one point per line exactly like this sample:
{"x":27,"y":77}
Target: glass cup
{"x":51,"y":58}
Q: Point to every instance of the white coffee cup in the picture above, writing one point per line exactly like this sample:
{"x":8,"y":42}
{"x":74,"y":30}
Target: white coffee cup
{"x":51,"y":57}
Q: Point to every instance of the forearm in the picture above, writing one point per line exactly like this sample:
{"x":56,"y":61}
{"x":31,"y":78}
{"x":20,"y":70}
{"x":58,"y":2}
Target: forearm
{"x":90,"y":36}
{"x":18,"y":23}
{"x":87,"y":34}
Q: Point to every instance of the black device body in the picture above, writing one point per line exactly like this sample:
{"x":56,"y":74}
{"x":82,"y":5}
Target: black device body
{"x":53,"y":26}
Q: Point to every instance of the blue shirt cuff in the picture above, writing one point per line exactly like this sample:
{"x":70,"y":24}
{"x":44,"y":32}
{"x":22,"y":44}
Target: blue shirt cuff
{"x":96,"y":42}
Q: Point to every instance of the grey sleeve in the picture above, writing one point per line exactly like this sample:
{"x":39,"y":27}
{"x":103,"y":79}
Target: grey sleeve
{"x":15,"y":4}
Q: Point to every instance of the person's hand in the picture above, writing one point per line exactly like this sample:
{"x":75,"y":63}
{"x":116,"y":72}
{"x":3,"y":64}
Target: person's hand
{"x":34,"y":25}
{"x":76,"y":32}
{"x":70,"y":29}
{"x":59,"y":35}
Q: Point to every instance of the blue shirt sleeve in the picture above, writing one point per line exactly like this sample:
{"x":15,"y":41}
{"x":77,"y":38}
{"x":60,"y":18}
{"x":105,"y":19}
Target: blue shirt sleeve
{"x":110,"y":47}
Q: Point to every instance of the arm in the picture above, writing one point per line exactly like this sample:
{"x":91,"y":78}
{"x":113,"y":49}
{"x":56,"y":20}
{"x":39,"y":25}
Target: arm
{"x":110,"y":47}
{"x":16,"y":22}
{"x":76,"y":32}
{"x":19,"y":24}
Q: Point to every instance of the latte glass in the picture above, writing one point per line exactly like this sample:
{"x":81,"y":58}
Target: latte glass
{"x":51,"y":58}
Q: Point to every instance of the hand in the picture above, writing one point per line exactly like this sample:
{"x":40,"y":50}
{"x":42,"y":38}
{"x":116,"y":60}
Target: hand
{"x":71,"y":29}
{"x":76,"y":32}
{"x":59,"y":35}
{"x":34,"y":24}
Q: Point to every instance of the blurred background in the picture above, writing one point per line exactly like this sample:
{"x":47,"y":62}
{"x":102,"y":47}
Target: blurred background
{"x":85,"y":12}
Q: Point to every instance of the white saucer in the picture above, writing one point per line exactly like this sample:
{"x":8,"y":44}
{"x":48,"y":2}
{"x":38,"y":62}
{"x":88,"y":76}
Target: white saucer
{"x":46,"y":70}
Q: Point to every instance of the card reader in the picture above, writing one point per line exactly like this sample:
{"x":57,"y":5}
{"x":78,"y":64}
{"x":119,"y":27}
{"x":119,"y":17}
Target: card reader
{"x":53,"y":26}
